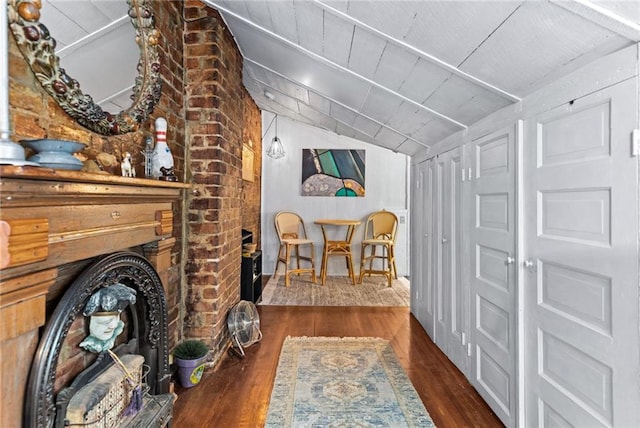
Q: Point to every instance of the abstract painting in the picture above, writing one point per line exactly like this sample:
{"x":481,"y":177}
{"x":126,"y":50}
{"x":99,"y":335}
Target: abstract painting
{"x":333,"y":172}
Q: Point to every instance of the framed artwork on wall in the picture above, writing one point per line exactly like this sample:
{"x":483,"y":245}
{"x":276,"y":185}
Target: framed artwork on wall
{"x":333,"y":172}
{"x":247,"y":162}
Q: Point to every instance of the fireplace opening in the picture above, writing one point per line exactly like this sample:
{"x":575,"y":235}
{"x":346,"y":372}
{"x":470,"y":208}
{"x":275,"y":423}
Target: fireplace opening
{"x":138,"y":357}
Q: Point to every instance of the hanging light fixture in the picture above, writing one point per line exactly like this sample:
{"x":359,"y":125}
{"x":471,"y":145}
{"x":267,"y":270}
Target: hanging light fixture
{"x":276,"y":150}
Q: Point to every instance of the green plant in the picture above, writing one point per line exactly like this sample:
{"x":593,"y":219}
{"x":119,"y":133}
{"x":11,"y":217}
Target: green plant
{"x":190,"y":350}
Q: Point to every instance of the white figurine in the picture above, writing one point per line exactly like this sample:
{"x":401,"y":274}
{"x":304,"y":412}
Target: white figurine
{"x":127,"y":168}
{"x":161,"y":153}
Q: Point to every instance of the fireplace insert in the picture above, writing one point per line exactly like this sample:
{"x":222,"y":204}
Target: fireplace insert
{"x":144,"y":335}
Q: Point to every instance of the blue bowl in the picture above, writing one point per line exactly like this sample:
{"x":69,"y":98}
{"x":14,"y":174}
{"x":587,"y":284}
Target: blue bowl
{"x":56,"y":146}
{"x":56,"y":154}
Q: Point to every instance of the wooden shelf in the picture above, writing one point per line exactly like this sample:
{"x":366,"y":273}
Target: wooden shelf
{"x":39,"y":173}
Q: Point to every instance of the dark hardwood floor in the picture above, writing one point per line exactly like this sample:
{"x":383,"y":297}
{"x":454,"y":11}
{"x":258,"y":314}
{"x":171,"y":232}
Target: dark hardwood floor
{"x":236,"y":392}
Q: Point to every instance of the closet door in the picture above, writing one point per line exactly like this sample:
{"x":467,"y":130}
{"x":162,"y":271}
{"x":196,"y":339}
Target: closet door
{"x":422,"y":283}
{"x":493,"y":272}
{"x":581,"y":267}
{"x":450,"y":291}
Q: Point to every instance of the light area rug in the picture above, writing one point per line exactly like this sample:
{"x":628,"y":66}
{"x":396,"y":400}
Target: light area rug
{"x":343,"y":382}
{"x":337,"y":291}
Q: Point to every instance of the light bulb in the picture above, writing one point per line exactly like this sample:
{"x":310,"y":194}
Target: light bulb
{"x":275,"y":150}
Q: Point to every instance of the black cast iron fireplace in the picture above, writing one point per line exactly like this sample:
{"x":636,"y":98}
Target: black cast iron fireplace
{"x":145,"y":334}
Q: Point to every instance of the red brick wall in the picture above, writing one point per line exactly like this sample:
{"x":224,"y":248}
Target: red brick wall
{"x":251,"y":190}
{"x":219,"y":116}
{"x":171,"y":107}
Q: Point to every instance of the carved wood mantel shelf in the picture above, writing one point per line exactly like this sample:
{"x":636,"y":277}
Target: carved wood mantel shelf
{"x":58,"y":217}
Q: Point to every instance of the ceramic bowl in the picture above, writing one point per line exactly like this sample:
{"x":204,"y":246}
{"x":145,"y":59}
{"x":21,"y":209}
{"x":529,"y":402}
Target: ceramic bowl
{"x":55,"y":154}
{"x":47,"y":145}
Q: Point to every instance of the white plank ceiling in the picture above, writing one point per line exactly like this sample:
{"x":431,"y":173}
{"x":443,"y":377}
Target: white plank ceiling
{"x":406,"y":74}
{"x":398,"y":74}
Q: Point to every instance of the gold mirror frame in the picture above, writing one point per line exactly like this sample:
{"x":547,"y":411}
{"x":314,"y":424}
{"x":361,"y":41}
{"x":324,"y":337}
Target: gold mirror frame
{"x":38,"y":48}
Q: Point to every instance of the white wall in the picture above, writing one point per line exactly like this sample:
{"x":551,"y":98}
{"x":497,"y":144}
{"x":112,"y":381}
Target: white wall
{"x":386,"y":175}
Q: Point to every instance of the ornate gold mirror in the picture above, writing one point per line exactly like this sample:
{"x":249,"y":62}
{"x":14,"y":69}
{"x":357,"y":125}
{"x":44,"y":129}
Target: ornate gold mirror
{"x":38,"y":48}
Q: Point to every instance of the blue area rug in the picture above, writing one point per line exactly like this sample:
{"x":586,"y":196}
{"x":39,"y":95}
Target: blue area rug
{"x":343,"y":382}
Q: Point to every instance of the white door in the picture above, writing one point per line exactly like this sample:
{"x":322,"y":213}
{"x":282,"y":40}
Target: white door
{"x":493,"y":271}
{"x":416,"y":242}
{"x":450,"y":292}
{"x":439,"y":263}
{"x":581,"y":272}
{"x":421,"y":281}
{"x":452,"y":247}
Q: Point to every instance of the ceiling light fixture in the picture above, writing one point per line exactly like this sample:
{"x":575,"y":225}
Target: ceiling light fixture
{"x":276,"y":150}
{"x":269,"y":95}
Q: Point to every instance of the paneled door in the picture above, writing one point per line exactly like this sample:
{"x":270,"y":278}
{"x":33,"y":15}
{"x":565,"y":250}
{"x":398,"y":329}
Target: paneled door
{"x":451,"y":308}
{"x":581,"y":263}
{"x":422,"y":279}
{"x":493,"y":271}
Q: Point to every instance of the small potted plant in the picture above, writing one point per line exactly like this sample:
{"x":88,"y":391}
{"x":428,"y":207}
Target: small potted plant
{"x":190,"y":357}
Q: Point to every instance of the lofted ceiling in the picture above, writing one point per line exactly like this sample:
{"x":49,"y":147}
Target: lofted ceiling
{"x":398,"y":74}
{"x":406,"y":74}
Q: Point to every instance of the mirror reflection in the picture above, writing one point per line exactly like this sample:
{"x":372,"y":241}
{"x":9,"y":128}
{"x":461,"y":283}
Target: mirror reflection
{"x":96,"y":45}
{"x":81,"y":53}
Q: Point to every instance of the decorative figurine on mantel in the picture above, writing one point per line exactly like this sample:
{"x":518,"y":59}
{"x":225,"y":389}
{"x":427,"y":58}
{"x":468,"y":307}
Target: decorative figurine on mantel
{"x":104,"y":308}
{"x":161,"y":153}
{"x":148,"y":155}
{"x":167,"y":174}
{"x":127,"y":166}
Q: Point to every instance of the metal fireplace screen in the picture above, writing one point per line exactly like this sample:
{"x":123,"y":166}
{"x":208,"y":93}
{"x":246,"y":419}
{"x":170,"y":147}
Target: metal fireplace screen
{"x":146,"y":337}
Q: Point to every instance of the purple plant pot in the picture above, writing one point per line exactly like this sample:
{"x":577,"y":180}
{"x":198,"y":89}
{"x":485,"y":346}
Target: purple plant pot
{"x":190,"y":371}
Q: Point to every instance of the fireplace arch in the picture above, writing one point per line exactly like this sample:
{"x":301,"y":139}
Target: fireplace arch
{"x":147,"y":332}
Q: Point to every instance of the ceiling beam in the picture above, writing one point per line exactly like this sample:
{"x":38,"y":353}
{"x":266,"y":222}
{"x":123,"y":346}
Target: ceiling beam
{"x":96,"y":34}
{"x":333,"y":64}
{"x":330,"y":99}
{"x":422,"y":54}
{"x":117,"y":94}
{"x":603,"y":17}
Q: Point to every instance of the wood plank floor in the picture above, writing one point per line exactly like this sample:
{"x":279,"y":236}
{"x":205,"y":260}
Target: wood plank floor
{"x":236,"y":393}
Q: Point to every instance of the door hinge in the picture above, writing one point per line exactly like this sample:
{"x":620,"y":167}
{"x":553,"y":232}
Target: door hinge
{"x":462,"y":175}
{"x":463,"y":338}
{"x":468,"y":349}
{"x":469,"y":174}
{"x":635,"y":142}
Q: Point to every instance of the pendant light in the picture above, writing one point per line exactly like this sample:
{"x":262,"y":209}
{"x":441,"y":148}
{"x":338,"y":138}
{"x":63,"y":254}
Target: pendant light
{"x":276,"y":150}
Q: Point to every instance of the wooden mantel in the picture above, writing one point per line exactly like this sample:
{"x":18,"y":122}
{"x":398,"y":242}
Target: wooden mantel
{"x":59,"y":216}
{"x":55,"y":217}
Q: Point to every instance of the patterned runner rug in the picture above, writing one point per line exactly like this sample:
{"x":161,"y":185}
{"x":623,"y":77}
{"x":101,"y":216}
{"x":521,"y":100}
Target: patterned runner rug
{"x":338,"y":382}
{"x":337,"y":291}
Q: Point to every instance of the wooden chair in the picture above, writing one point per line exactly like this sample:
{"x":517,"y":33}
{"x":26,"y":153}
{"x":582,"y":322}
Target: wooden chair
{"x":380,"y":231}
{"x":292,"y":235}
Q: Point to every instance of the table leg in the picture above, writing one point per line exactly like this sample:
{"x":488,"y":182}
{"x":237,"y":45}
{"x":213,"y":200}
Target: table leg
{"x":325,"y":259}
